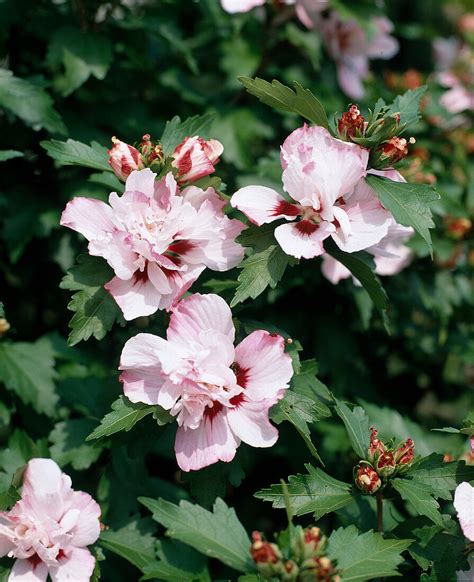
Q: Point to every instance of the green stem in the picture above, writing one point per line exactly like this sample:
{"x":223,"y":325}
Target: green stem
{"x":379,"y":498}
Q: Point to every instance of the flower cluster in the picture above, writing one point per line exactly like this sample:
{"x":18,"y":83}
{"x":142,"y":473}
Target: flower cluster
{"x":219,"y":394}
{"x":324,"y":179}
{"x":303,"y":559}
{"x":49,"y":529}
{"x":382,"y":461}
{"x":157,"y":238}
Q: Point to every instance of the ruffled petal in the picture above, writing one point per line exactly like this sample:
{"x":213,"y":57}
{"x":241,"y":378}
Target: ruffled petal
{"x":212,"y":441}
{"x":249,"y":421}
{"x":77,"y":566}
{"x":464,"y":505}
{"x":141,"y":181}
{"x":87,"y":528}
{"x":92,"y":218}
{"x":198,"y":313}
{"x":28,"y":571}
{"x":265,"y":368}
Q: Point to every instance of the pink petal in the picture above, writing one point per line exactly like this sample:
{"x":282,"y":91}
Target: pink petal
{"x":333,"y":270}
{"x":136,"y":297}
{"x":368,"y":224}
{"x":76,"y":567}
{"x":266,"y":368}
{"x":234,"y":6}
{"x":141,"y":367}
{"x":28,"y":571}
{"x":199,"y":313}
{"x":382,"y":46}
{"x":196,"y":197}
{"x":302,"y":240}
{"x":249,"y":421}
{"x":92,"y":218}
{"x":464,"y":505}
{"x":141,"y":181}
{"x":263,"y":205}
{"x":350,"y":81}
{"x":212,"y":441}
{"x":165,"y":190}
{"x":117,"y":252}
{"x":87,"y":529}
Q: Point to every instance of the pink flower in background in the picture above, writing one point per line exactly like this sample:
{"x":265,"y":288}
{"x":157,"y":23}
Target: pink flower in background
{"x":320,"y":174}
{"x":219,"y":394}
{"x":157,"y":239}
{"x":464,"y":505}
{"x":454,"y":63}
{"x":234,"y":6}
{"x":308,"y":11}
{"x":195,"y":158}
{"x":49,"y":529}
{"x":123,"y":159}
{"x":351,"y":48}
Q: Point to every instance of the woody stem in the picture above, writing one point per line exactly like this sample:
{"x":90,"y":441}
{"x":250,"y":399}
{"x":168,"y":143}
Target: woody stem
{"x":379,"y":499}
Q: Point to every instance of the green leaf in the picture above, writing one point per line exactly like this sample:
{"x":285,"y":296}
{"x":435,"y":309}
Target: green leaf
{"x":218,"y":534}
{"x":9,"y":498}
{"x":408,"y":203}
{"x":6,"y":155}
{"x":124,"y":416}
{"x":440,"y":476}
{"x":75,"y":153}
{"x":306,"y":383}
{"x":408,"y":105}
{"x":176,"y":130}
{"x":356,"y":422}
{"x":300,"y":411}
{"x":365,"y":556}
{"x":30,"y":103}
{"x":420,"y":497}
{"x":28,"y":370}
{"x":83,"y":54}
{"x":359,"y":264}
{"x":283,"y":98}
{"x":178,"y":563}
{"x":260,"y":270}
{"x":315,"y":492}
{"x":68,"y":446}
{"x":95,"y":310}
{"x":134,"y":542}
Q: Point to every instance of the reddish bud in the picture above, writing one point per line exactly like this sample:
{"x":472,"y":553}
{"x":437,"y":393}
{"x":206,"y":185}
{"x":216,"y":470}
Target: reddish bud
{"x":376,"y":446}
{"x":405,"y":453}
{"x":367,"y":479}
{"x":351,"y":123}
{"x":124,"y":159}
{"x":4,"y":326}
{"x":393,"y":150}
{"x":195,"y":158}
{"x":385,"y":464}
{"x":263,"y":552}
{"x":458,"y":227}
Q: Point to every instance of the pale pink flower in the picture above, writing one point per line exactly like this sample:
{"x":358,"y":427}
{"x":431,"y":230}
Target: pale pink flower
{"x":464,"y":505}
{"x":49,"y":529}
{"x":308,"y":11}
{"x":123,"y":159}
{"x":234,"y":6}
{"x":319,"y":174}
{"x":195,"y":158}
{"x":352,"y":48}
{"x":220,"y":395}
{"x":157,"y":239}
{"x":454,"y":64}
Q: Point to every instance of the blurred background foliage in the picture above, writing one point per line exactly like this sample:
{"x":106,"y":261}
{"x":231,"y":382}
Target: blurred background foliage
{"x":89,"y":70}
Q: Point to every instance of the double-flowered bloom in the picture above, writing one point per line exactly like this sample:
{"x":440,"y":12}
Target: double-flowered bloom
{"x":49,"y":529}
{"x":219,"y":394}
{"x":324,"y":178}
{"x":156,"y":238}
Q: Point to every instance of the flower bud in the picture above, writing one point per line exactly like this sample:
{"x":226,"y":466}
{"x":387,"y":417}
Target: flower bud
{"x":266,"y":556}
{"x":367,"y":479}
{"x":385,"y":464}
{"x":351,"y":124}
{"x":319,"y":568}
{"x":195,"y":158}
{"x":376,"y":447}
{"x":458,"y":227}
{"x":392,"y":151}
{"x":4,"y":326}
{"x":290,"y":571}
{"x":152,"y":153}
{"x":123,"y":159}
{"x":404,"y":455}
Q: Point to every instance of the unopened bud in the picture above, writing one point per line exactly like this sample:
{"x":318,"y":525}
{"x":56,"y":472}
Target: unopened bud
{"x":124,"y":159}
{"x":386,"y":464}
{"x":376,"y":446}
{"x":393,"y":150}
{"x":405,"y":453}
{"x":351,"y":124}
{"x":266,"y":556}
{"x":458,"y":227}
{"x":290,"y":571}
{"x":367,"y":479}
